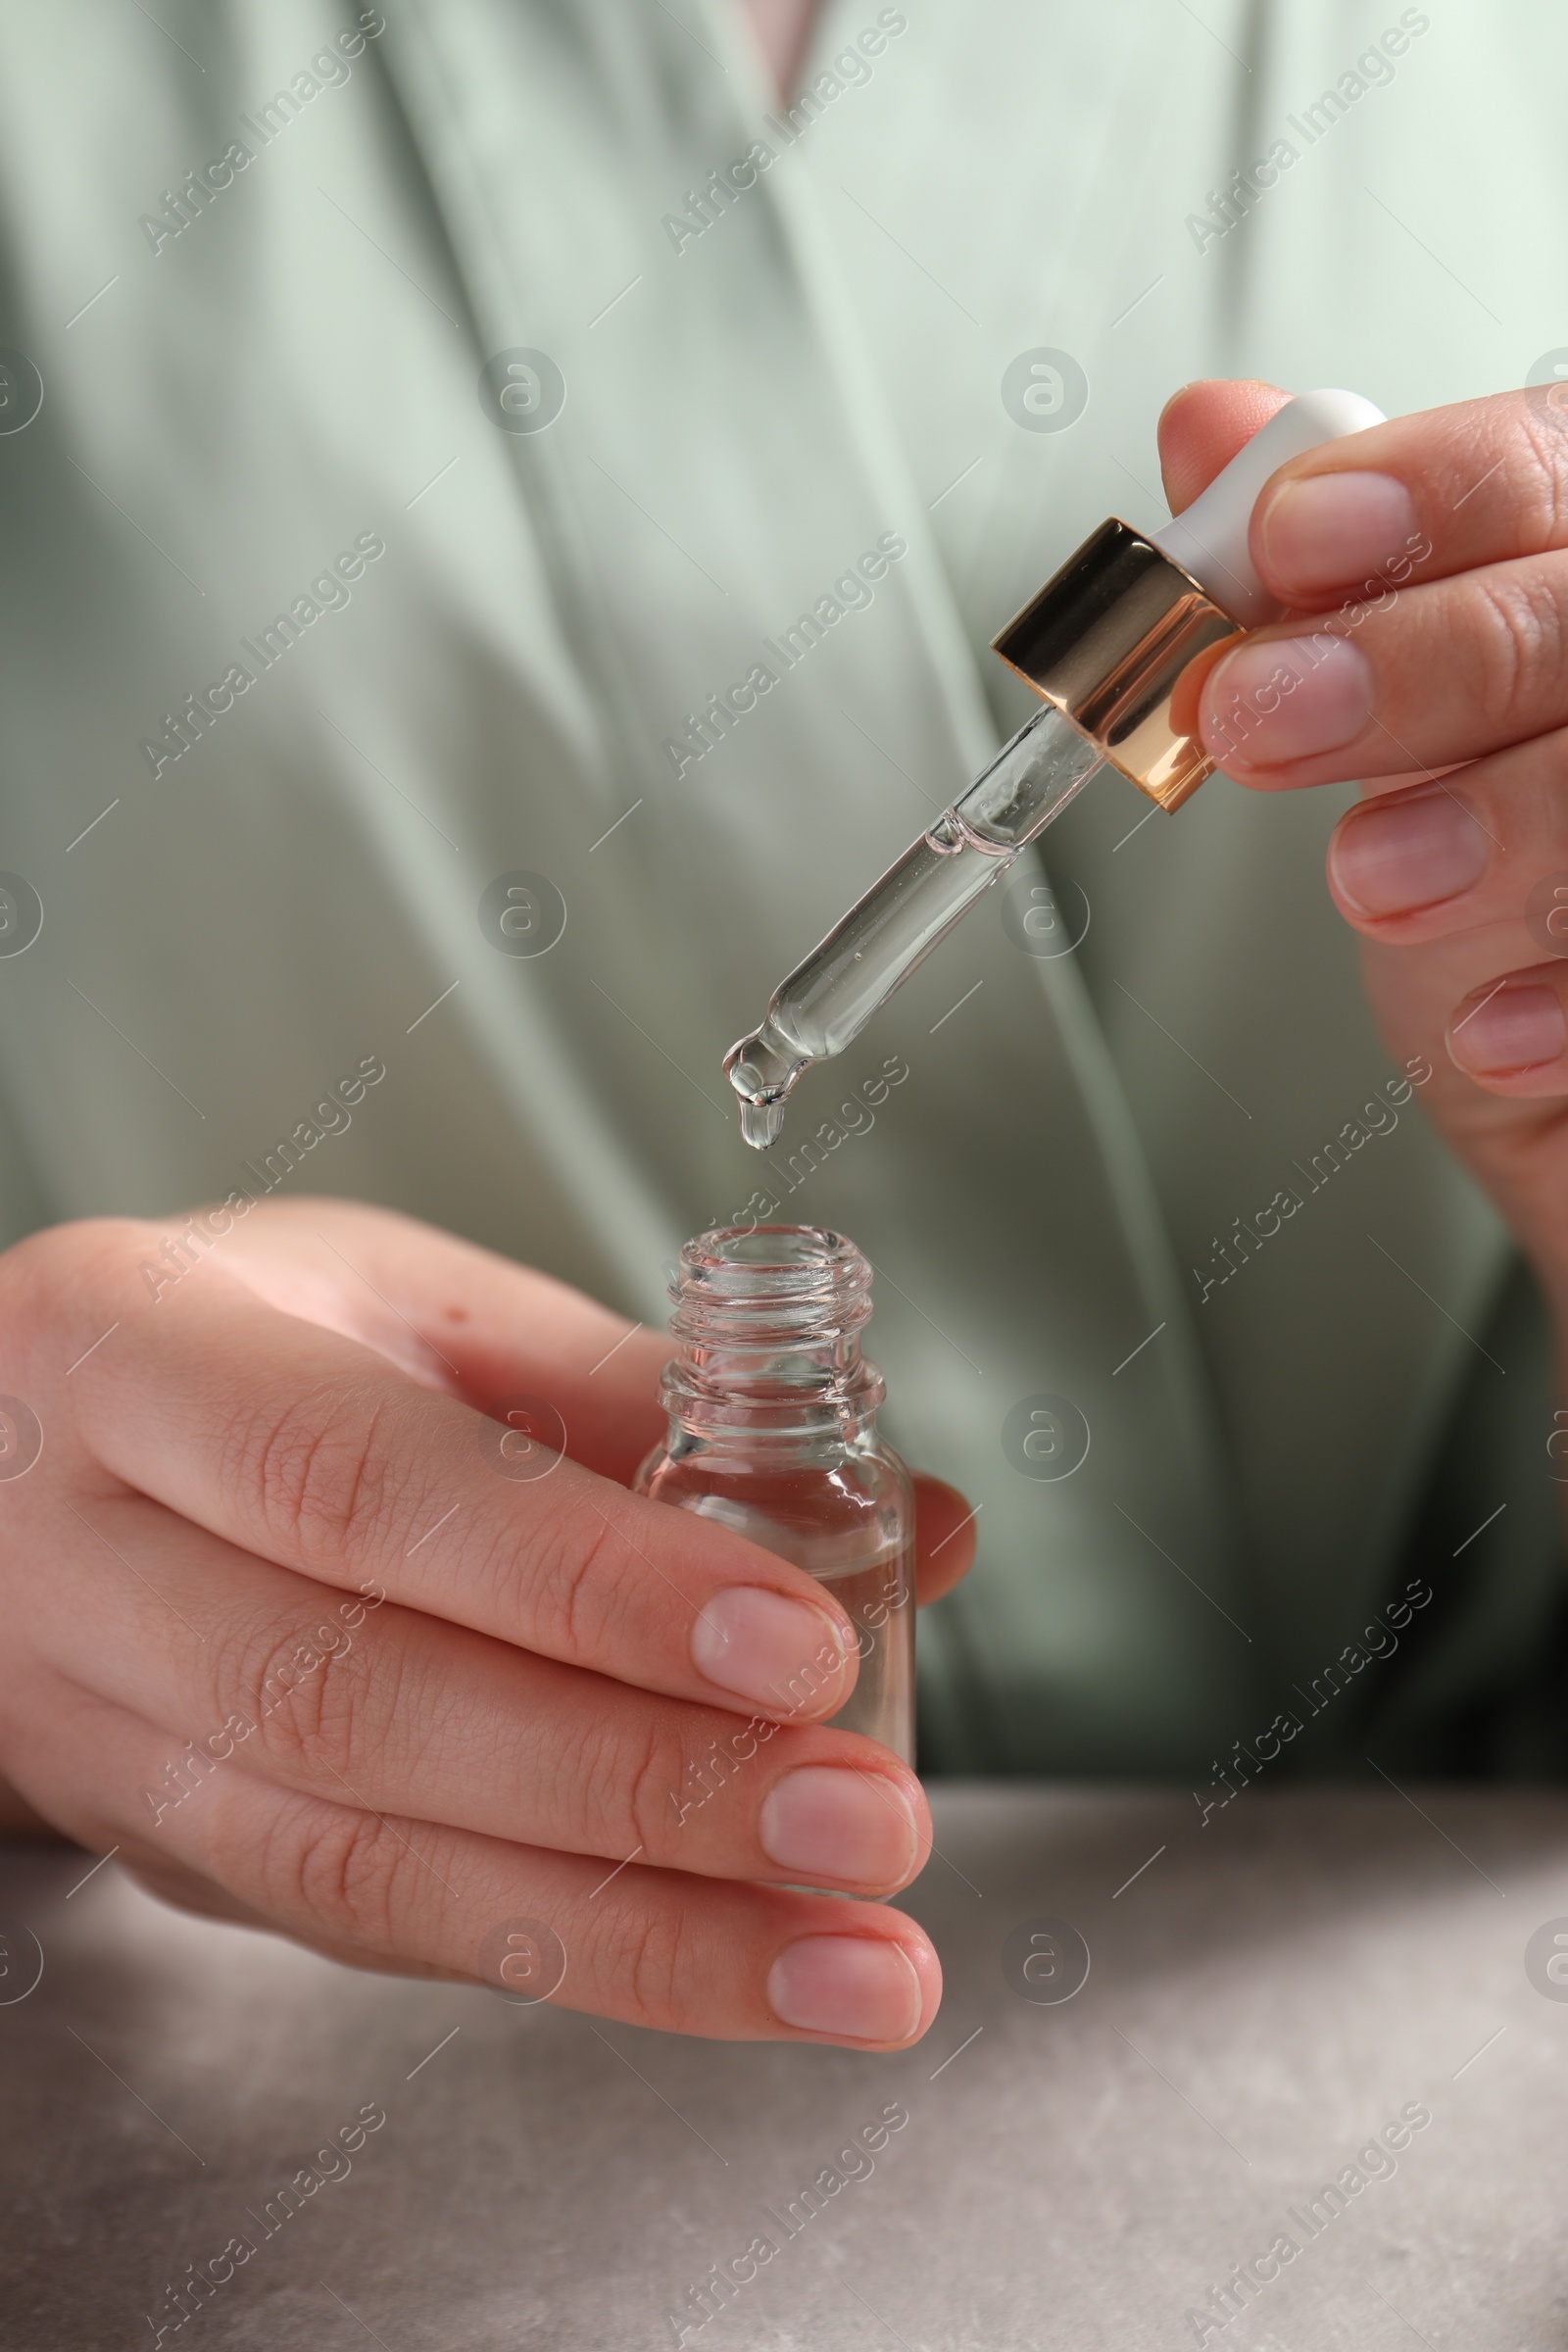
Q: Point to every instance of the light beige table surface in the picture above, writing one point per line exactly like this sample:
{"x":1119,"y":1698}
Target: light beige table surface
{"x":1268,"y":1995}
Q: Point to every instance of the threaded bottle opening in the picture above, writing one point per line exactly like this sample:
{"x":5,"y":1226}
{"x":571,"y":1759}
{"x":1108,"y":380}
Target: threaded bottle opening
{"x":770,"y":1313}
{"x":750,"y":1281}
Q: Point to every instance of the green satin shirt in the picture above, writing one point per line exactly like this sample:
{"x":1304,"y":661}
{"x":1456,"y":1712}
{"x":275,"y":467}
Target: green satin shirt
{"x":443,"y":408}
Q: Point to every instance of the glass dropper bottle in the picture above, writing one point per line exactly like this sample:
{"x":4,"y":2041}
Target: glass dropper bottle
{"x":772,"y":1432}
{"x":1104,"y":645}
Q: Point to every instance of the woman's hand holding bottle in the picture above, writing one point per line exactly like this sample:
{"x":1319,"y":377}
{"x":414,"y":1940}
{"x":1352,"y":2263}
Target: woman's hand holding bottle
{"x":322,"y":1646}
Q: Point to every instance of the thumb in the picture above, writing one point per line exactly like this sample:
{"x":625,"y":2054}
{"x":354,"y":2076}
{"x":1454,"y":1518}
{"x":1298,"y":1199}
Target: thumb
{"x":1200,"y":430}
{"x":1203,"y":426}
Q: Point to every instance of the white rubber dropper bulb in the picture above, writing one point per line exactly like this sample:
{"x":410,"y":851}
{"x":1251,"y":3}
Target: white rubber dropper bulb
{"x":1209,"y":540}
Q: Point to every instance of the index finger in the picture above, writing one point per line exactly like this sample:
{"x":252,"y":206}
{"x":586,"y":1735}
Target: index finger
{"x":312,"y":1451}
{"x":1425,"y":563}
{"x":1428,"y":496}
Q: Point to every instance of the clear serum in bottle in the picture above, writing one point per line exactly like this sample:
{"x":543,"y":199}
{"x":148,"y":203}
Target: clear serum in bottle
{"x":772,"y":1433}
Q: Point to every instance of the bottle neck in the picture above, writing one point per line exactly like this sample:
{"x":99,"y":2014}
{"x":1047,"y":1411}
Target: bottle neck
{"x":767,"y":1328}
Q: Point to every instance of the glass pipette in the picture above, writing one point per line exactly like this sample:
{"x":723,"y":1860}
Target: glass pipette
{"x":1103,"y":644}
{"x":827,"y":1000}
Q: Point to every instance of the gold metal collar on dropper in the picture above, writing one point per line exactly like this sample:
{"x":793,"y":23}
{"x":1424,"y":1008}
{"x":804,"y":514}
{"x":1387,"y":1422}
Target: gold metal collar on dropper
{"x":1107,"y":638}
{"x":1106,"y":641}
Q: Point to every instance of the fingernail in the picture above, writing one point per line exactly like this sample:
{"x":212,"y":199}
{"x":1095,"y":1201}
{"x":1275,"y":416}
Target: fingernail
{"x":1411,"y":850}
{"x":1510,"y":1031}
{"x":1331,"y":530}
{"x":760,"y":1646}
{"x":827,"y":1821}
{"x":860,"y":1986}
{"x":1269,"y":702}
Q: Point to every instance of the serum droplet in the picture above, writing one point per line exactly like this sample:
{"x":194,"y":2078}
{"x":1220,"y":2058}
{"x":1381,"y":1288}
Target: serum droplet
{"x":761,"y":1124}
